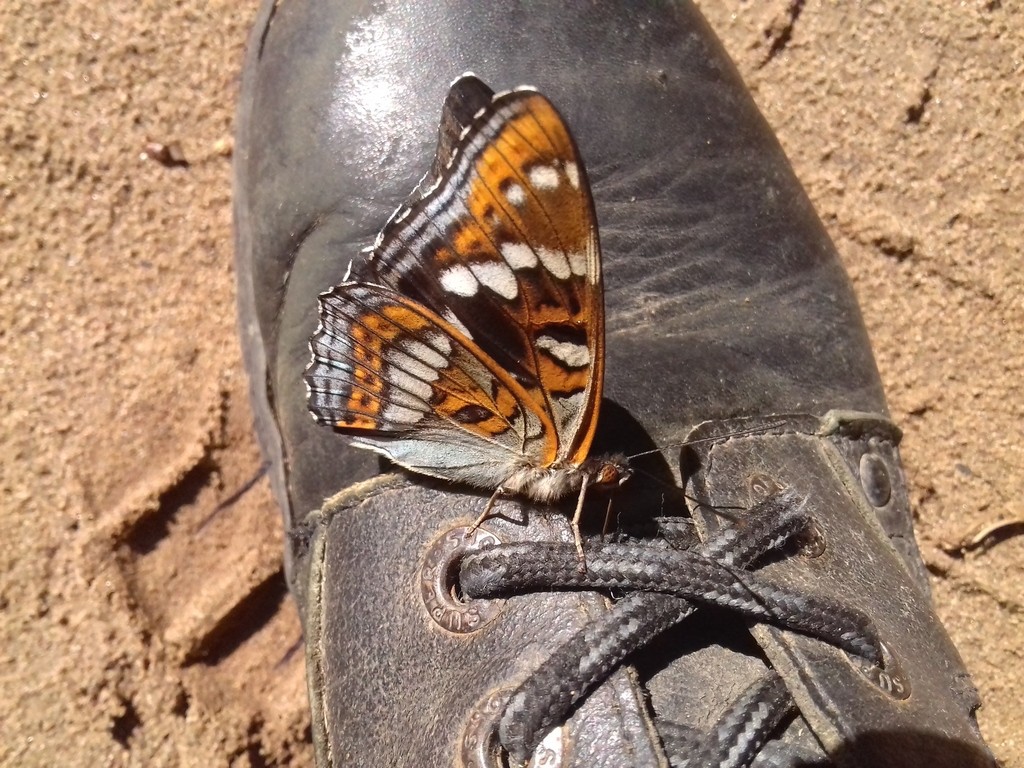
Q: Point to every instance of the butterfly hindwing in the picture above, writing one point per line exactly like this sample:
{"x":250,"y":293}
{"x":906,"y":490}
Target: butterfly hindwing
{"x":389,"y":370}
{"x":504,"y":248}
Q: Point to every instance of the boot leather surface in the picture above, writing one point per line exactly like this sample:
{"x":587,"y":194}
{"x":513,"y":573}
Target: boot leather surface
{"x":725,"y":301}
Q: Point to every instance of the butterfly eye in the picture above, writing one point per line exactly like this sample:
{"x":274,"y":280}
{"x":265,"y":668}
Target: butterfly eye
{"x":612,"y":473}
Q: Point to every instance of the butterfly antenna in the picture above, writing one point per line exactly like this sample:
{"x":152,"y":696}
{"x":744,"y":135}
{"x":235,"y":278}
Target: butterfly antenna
{"x":739,"y":433}
{"x":697,"y":503}
{"x":649,"y":476}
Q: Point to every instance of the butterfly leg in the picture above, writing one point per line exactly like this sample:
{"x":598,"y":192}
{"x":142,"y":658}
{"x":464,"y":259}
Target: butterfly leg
{"x":607,"y":527}
{"x":498,"y":493}
{"x":576,"y":523}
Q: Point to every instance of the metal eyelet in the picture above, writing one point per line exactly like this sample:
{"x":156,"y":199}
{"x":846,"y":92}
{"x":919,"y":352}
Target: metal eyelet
{"x":875,"y":479}
{"x":813,"y":541}
{"x":437,"y":582}
{"x":479,"y":747}
{"x":889,"y":678}
{"x":762,"y":486}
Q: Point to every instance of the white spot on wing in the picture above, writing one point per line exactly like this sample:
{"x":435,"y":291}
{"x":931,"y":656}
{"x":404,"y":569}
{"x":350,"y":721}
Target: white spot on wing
{"x":428,"y":357}
{"x":440,"y":342}
{"x":396,"y":396}
{"x":451,"y":318}
{"x":544,"y":177}
{"x":497,"y":276}
{"x":571,"y":405}
{"x":402,"y":362}
{"x":408,"y":382}
{"x":460,"y":281}
{"x":578,"y":263}
{"x":515,"y":194}
{"x":573,"y":172}
{"x":554,"y":261}
{"x":573,"y":355}
{"x":519,"y":255}
{"x":401,"y":415}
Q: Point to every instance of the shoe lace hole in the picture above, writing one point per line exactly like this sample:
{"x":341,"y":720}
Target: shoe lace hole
{"x":439,"y":586}
{"x":875,"y":479}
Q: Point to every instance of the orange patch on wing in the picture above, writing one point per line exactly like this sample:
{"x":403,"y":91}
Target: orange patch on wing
{"x":364,"y":400}
{"x":536,"y":137}
{"x":560,"y":379}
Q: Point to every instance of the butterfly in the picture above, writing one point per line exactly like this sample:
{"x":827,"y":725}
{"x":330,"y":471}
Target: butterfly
{"x":471,"y":345}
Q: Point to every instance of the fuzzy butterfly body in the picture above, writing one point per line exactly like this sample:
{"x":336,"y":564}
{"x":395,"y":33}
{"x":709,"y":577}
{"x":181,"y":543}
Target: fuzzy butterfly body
{"x":471,"y":347}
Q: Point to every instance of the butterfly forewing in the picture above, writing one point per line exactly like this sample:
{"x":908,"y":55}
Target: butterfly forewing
{"x":471,"y":344}
{"x":504,"y":247}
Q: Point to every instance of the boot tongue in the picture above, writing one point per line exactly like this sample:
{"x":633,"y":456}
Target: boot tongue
{"x":860,"y":713}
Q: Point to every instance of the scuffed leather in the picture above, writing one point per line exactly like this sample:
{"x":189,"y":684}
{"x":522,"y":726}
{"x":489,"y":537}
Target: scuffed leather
{"x":389,"y":682}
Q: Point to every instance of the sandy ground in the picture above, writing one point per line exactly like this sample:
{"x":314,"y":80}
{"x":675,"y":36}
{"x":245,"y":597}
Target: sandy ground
{"x":143,"y":615}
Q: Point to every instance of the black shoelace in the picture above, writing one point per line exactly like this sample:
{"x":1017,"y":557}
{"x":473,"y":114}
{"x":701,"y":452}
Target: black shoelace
{"x":663,"y":586}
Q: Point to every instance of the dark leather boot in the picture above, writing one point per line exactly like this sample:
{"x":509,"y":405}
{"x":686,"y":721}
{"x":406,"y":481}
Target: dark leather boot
{"x":777,"y":613}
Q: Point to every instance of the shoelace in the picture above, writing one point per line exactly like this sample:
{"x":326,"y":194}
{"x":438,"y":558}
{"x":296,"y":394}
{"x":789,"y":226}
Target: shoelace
{"x":662,"y":587}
